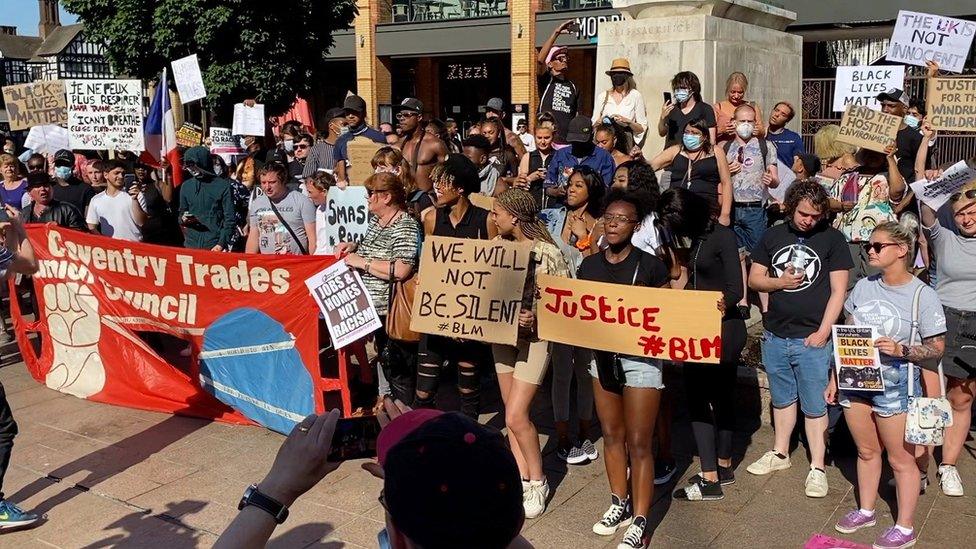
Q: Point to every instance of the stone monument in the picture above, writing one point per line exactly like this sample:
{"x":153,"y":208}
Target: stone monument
{"x":711,"y":38}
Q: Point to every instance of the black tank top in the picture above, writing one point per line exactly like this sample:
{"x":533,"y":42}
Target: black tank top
{"x":536,"y":162}
{"x":703,"y":179}
{"x":474,"y":224}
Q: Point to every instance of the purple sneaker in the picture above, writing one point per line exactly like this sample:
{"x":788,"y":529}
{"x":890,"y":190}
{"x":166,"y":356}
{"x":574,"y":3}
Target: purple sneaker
{"x":892,"y":538}
{"x":854,"y":521}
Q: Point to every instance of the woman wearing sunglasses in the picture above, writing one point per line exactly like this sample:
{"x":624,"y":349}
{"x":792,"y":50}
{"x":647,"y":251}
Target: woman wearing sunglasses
{"x":876,"y":419}
{"x":956,"y":286}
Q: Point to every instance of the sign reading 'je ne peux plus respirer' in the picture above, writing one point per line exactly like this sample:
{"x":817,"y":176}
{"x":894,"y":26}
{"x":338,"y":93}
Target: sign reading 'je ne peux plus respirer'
{"x":920,"y":37}
{"x":105,"y":114}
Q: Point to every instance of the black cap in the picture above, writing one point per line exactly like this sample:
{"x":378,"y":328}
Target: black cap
{"x":38,"y":179}
{"x":477,"y":141}
{"x":495,"y":104}
{"x":354,"y":103}
{"x":452,"y":482}
{"x":64,"y":157}
{"x":580,"y":130}
{"x":463,"y":172}
{"x":811,"y":163}
{"x":336,"y":112}
{"x":894,"y":94}
{"x":410,"y":104}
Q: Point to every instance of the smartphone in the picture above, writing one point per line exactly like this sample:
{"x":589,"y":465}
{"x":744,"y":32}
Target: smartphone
{"x":354,"y":438}
{"x":667,"y":97}
{"x":574,"y":28}
{"x":130,"y":180}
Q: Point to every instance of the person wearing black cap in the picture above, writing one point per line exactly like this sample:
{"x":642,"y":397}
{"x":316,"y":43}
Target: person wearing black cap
{"x":44,"y":208}
{"x":69,"y":188}
{"x":581,"y":152}
{"x":895,"y":102}
{"x":495,"y":108}
{"x":454,"y":215}
{"x":355,"y":110}
{"x":323,"y":153}
{"x":421,"y":149}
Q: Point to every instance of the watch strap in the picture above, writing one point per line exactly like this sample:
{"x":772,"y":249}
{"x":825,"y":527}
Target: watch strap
{"x":254,"y":497}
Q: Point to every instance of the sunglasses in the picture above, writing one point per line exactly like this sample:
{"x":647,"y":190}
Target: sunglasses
{"x":301,"y":147}
{"x":35,"y":168}
{"x":968,"y":195}
{"x":405,"y":114}
{"x":371,"y":192}
{"x":876,"y":246}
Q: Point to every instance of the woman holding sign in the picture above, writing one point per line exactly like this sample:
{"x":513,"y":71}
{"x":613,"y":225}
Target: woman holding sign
{"x":908,"y":316}
{"x":627,"y":388}
{"x":522,"y":367}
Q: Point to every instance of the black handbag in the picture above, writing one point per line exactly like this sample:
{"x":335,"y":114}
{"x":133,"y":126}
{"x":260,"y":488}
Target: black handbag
{"x":609,"y":371}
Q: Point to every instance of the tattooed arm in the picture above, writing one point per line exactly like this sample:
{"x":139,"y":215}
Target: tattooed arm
{"x":930,"y":349}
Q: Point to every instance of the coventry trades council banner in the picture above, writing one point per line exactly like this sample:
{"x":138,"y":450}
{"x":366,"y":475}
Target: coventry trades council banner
{"x":249,"y":319}
{"x":657,"y":323}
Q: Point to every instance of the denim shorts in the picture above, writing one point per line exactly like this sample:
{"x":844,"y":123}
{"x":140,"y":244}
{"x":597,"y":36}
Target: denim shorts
{"x":797,"y":372}
{"x":749,"y":225}
{"x":641,"y":373}
{"x":894,"y":399}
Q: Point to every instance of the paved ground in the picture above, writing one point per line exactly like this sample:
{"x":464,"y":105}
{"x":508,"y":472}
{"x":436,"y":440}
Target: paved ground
{"x":108,"y":476}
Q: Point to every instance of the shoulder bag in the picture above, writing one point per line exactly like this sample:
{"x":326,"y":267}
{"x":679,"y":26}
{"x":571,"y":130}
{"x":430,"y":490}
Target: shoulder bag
{"x":609,"y":369}
{"x":401,"y":304}
{"x":291,"y":231}
{"x":927,"y":418}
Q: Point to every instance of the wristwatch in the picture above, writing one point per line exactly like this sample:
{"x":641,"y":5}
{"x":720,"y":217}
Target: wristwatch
{"x":252,"y":496}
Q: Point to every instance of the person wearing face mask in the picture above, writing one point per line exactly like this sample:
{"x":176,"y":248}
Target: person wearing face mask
{"x":686,"y":105}
{"x":581,"y":152}
{"x":735,"y":95}
{"x":206,"y":207}
{"x":355,"y":110}
{"x":622,"y":106}
{"x":69,"y":188}
{"x":323,"y":152}
{"x":895,"y":102}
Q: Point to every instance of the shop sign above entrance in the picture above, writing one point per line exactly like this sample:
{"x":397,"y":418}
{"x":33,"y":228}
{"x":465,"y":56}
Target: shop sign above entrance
{"x":461,"y":71}
{"x":589,"y":26}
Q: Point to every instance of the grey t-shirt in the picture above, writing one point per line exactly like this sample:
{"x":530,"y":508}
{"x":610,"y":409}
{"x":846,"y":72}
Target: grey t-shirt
{"x":889,"y":309}
{"x":273,"y":237}
{"x":956,"y":267}
{"x":747,"y":185}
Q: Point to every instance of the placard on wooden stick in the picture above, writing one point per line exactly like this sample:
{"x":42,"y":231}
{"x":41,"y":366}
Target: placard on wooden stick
{"x":951,"y":104}
{"x":360,"y":152}
{"x":870,"y":129}
{"x":657,"y":323}
{"x":470,"y":289}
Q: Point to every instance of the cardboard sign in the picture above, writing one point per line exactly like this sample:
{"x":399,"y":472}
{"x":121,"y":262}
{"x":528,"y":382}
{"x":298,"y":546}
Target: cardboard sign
{"x":346,"y":216}
{"x":861,"y":85}
{"x":470,"y":289}
{"x":39,"y":104}
{"x":345,"y":303}
{"x":856,"y":358}
{"x":920,"y":37}
{"x":658,"y":323}
{"x":189,"y":135}
{"x":870,"y":129}
{"x":936,"y":192}
{"x":105,"y":115}
{"x":482,"y":201}
{"x":47,"y":139}
{"x":951,"y":104}
{"x":359,"y":153}
{"x":248,"y":120}
{"x":189,"y":81}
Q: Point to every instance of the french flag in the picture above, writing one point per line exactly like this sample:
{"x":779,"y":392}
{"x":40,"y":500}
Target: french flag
{"x":160,"y":133}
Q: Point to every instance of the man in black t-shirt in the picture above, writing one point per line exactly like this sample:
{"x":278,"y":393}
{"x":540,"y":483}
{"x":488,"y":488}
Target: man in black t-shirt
{"x":895,"y":102}
{"x":803,"y":265}
{"x":67,"y":187}
{"x":557,"y":94}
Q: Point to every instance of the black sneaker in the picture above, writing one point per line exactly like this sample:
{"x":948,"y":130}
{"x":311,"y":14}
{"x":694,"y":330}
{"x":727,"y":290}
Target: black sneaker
{"x":619,"y":514}
{"x":700,"y":490}
{"x":663,"y":472}
{"x":726,"y":476}
{"x":636,"y":535}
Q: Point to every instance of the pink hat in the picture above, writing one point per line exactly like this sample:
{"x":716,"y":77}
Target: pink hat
{"x":556,"y":50}
{"x":400,"y":428}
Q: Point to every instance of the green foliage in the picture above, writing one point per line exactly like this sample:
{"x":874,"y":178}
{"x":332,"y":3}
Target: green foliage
{"x":269,"y":50}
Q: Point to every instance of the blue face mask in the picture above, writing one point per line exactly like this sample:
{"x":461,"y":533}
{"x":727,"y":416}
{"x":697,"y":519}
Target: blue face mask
{"x":384,"y":539}
{"x":62,"y":172}
{"x":682,"y":95}
{"x":691,"y":141}
{"x":912,"y":121}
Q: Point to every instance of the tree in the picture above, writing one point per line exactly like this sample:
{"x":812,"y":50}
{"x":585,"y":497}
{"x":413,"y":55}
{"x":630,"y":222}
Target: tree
{"x":269,"y":50}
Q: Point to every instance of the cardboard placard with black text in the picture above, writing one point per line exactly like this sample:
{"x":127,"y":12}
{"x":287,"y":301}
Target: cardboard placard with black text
{"x":39,"y":104}
{"x":951,"y":104}
{"x":867,"y":128}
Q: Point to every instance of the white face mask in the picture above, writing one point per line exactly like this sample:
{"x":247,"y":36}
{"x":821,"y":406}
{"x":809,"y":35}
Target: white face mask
{"x":288,"y":145}
{"x":343,"y":130}
{"x":745,"y":129}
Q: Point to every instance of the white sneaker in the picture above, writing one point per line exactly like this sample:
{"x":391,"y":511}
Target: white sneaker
{"x":535,"y":493}
{"x":816,"y":484}
{"x":949,"y":480}
{"x":768,"y":463}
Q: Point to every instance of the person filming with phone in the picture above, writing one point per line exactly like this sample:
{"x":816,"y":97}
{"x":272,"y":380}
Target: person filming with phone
{"x":558,"y":95}
{"x":120,"y":210}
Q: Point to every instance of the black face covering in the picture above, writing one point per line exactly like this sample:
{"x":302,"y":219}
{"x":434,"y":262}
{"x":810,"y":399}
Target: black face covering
{"x":618,"y":79}
{"x":581,"y":150}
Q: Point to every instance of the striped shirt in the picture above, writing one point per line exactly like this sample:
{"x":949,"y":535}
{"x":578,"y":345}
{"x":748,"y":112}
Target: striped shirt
{"x":320,"y":157}
{"x":400,"y":241}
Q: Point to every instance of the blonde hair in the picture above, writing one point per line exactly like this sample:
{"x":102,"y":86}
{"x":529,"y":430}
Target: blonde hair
{"x":737,"y":78}
{"x":6,"y":159}
{"x":522,"y":206}
{"x":388,"y":156}
{"x":902,"y":235}
{"x":826,"y":146}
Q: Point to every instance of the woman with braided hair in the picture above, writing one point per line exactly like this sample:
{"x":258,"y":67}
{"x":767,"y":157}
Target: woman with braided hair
{"x":521,"y":367}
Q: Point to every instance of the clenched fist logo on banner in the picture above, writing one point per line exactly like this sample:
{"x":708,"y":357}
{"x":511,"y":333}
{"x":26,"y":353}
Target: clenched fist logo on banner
{"x":75,"y":328}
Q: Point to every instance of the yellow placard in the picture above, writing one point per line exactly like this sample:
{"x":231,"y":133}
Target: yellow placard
{"x":360,"y":152}
{"x":951,"y":104}
{"x":678,"y":325}
{"x":868,"y":128}
{"x":470,"y":289}
{"x":39,"y":104}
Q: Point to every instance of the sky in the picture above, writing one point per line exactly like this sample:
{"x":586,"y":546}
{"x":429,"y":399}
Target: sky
{"x":24,"y":15}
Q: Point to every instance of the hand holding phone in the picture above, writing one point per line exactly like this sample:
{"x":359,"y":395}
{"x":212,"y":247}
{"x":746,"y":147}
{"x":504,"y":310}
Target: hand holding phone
{"x":354,"y":438}
{"x":667,"y":97}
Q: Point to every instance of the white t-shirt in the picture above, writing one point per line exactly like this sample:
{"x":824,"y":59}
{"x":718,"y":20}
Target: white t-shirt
{"x":322,"y":232}
{"x":113,"y":215}
{"x":630,"y":107}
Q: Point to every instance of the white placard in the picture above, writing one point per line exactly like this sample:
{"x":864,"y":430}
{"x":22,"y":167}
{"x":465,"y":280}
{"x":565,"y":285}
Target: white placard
{"x":346,"y":305}
{"x":47,"y":139}
{"x":920,"y":37}
{"x":346,"y":215}
{"x":861,"y":85}
{"x":189,"y":81}
{"x":786,"y":178}
{"x":105,"y":115}
{"x":222,"y":140}
{"x":248,"y":120}
{"x":934,"y":193}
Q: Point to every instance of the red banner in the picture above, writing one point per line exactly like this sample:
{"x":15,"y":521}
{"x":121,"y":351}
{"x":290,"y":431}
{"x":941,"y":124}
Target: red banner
{"x":249,"y":320}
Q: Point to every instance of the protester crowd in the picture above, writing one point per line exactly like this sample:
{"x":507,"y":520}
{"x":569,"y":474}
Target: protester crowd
{"x":847,"y":243}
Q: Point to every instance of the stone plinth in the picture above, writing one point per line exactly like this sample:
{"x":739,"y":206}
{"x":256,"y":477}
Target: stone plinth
{"x":711,"y":39}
